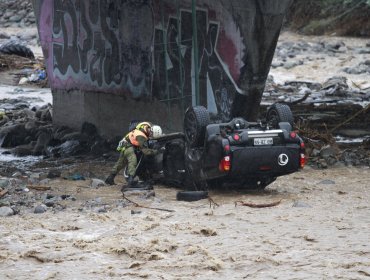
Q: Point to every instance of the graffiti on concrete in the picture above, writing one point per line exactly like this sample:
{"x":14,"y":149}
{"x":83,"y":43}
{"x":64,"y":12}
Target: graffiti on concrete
{"x":118,"y":45}
{"x":95,"y":40}
{"x":216,"y":86}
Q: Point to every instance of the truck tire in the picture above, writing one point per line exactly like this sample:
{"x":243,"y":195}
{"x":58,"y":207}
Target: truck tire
{"x":279,"y":113}
{"x":17,"y":49}
{"x":191,"y":195}
{"x":195,"y":123}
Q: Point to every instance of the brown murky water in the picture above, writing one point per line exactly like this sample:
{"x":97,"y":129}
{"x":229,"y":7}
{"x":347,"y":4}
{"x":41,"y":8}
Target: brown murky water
{"x":328,"y":238}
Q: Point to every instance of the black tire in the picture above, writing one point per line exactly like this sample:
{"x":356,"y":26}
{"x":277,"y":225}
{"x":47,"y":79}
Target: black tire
{"x":191,"y":195}
{"x":16,"y":49}
{"x":279,"y":113}
{"x":195,"y":123}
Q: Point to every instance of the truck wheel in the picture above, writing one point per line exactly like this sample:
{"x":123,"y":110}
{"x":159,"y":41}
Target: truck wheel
{"x":279,"y":113}
{"x":17,"y":49}
{"x":191,"y":195}
{"x":195,"y":123}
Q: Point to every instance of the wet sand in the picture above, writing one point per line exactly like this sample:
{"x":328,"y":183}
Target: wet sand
{"x":320,"y":230}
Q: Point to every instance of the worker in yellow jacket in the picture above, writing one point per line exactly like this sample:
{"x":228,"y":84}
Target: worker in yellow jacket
{"x":135,"y":139}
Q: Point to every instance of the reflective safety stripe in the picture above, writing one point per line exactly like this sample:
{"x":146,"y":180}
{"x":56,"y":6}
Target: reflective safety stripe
{"x":132,"y":137}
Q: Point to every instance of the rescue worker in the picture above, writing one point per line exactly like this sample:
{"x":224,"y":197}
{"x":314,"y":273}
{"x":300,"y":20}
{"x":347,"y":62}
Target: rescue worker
{"x":135,"y":139}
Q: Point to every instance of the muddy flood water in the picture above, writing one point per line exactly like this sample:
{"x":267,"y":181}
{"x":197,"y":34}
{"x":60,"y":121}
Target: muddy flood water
{"x":320,"y":230}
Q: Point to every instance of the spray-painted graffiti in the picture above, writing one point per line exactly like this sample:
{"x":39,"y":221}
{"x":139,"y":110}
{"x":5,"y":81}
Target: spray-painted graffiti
{"x":118,"y":45}
{"x":98,"y":40}
{"x":216,"y":87}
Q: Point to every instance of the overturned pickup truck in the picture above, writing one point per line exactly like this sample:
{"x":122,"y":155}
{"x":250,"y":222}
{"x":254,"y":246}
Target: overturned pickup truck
{"x":238,"y":153}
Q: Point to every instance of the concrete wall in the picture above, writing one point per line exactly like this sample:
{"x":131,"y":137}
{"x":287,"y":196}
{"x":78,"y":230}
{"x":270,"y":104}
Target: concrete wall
{"x":109,"y":62}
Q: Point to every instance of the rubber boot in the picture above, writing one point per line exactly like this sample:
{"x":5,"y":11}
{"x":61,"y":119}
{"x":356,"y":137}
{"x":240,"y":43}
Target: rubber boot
{"x":130,"y":183}
{"x":110,"y":179}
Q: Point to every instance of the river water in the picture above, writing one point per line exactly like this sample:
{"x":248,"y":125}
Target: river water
{"x":318,"y":231}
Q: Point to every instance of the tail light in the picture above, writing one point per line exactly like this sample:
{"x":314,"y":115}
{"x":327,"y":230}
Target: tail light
{"x":225,"y":164}
{"x":302,"y":160}
{"x":293,"y":135}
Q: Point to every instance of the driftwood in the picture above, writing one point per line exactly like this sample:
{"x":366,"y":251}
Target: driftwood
{"x":147,"y":207}
{"x":3,"y":192}
{"x":39,"y":188}
{"x":253,"y":205}
{"x":299,"y":100}
{"x":364,"y":110}
{"x":212,"y":203}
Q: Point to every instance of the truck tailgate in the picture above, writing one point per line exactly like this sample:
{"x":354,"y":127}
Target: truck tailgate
{"x":269,"y":160}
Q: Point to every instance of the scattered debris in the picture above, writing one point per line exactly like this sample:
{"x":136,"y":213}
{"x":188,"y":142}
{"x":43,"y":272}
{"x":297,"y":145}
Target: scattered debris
{"x":147,"y":207}
{"x":254,"y":205}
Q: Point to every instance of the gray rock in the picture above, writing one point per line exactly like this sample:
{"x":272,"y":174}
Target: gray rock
{"x":50,"y":202}
{"x":149,"y":194}
{"x":16,"y":18}
{"x":3,"y":35}
{"x":8,"y":14}
{"x":54,"y":174}
{"x":102,"y":210}
{"x":4,"y":183}
{"x":6,"y":211}
{"x":290,"y":64}
{"x":39,"y":209}
{"x":4,"y":202}
{"x":95,"y":183}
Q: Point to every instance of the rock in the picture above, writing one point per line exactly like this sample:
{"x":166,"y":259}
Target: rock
{"x":15,"y":18}
{"x":3,"y":35}
{"x":149,"y":194}
{"x":49,"y":202}
{"x":102,"y":210}
{"x":23,"y":150}
{"x":6,"y":211}
{"x":95,"y":183}
{"x":13,"y":135}
{"x":54,"y":174}
{"x":321,"y":163}
{"x":40,"y":209}
{"x":42,"y":142}
{"x":290,"y":64}
{"x":4,"y":202}
{"x":4,"y":183}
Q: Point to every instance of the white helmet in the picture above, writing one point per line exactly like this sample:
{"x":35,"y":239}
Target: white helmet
{"x":156,"y":131}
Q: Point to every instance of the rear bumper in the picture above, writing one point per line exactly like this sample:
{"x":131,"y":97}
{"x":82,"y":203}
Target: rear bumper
{"x":269,"y":161}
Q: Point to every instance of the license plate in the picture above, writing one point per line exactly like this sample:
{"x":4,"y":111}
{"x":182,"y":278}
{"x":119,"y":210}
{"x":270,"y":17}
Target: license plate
{"x":263,"y":141}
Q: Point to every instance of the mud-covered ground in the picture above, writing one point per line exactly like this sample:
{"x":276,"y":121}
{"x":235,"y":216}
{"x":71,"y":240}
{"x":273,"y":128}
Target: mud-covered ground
{"x":85,"y":230}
